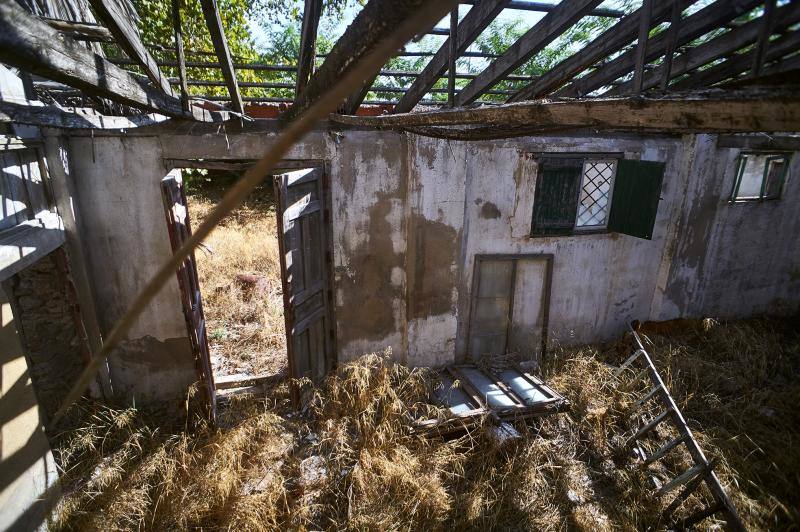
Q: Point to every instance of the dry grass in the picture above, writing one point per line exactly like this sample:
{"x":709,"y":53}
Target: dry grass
{"x":245,"y":321}
{"x":352,"y":461}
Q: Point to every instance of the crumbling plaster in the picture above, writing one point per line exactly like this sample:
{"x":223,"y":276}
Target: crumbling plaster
{"x":409,"y":216}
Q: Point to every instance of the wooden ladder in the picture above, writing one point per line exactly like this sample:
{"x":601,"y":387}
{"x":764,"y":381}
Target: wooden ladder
{"x":701,"y":471}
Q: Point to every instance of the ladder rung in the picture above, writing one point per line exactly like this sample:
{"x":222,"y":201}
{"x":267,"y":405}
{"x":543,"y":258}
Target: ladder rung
{"x":630,"y":385}
{"x":647,"y":397}
{"x":687,"y":490}
{"x":653,"y":424}
{"x":659,"y":454}
{"x":681,"y":479}
{"x":627,"y":363}
{"x":699,"y":516}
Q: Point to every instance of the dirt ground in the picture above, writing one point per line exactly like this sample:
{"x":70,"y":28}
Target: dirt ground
{"x":240,"y":281}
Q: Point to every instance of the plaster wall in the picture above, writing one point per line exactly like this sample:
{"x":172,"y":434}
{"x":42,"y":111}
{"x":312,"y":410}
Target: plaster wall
{"x":410,"y":214}
{"x":732,"y":259}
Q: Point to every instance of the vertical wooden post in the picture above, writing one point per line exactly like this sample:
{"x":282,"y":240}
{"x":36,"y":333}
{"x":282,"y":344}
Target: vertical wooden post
{"x":645,"y":14}
{"x":672,"y":39}
{"x":452,"y":56}
{"x":767,"y":23}
{"x":308,"y":44}
{"x":179,"y":56}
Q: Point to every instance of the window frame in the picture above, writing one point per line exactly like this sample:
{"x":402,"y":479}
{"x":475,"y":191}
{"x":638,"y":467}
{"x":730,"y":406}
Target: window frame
{"x":576,"y":231}
{"x":597,"y":228}
{"x":741,"y":162}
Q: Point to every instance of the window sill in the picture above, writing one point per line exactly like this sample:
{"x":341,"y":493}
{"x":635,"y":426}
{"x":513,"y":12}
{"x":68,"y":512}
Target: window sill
{"x":752,"y":200}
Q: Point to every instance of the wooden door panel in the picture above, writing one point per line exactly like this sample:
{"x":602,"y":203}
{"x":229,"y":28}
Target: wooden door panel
{"x":305,"y":265}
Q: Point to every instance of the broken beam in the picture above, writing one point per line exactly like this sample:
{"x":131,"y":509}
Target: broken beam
{"x":128,"y":38}
{"x":217,"y":32}
{"x":32,"y":45}
{"x":708,"y":111}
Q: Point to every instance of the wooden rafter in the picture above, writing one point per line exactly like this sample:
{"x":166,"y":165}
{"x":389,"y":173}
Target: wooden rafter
{"x":645,"y":23}
{"x":767,"y":26}
{"x":32,"y":45}
{"x":532,"y":42}
{"x":609,"y":42}
{"x":722,"y":46}
{"x":308,"y":43}
{"x":383,"y":17}
{"x":470,"y":27}
{"x":544,"y":7}
{"x":217,"y":32}
{"x":706,"y":111}
{"x":128,"y":38}
{"x":739,"y":63}
{"x":177,"y":29}
{"x":709,"y":18}
{"x":672,"y":41}
{"x":81,"y":31}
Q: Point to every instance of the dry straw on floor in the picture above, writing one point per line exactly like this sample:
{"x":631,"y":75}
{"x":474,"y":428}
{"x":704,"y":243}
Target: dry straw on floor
{"x":353,"y":461}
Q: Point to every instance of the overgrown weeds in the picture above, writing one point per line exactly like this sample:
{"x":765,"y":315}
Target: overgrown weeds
{"x":240,"y":275}
{"x":352,"y":459}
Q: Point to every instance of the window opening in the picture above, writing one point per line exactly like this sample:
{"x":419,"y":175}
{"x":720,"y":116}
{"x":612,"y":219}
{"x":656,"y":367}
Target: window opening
{"x":759,"y":176}
{"x":595,"y":195}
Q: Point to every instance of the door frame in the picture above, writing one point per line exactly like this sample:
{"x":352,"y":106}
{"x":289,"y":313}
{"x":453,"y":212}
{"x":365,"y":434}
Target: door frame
{"x":548,"y":259}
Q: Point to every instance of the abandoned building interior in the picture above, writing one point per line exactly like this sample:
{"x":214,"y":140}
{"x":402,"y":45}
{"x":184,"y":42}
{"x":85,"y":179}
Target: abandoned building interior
{"x":480,"y":223}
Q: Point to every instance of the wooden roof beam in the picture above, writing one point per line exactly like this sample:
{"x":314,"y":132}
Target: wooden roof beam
{"x":707,"y":19}
{"x":711,"y":111}
{"x":128,"y":38}
{"x":214,"y":23}
{"x":81,"y":31}
{"x":546,"y":8}
{"x":532,"y":42}
{"x":612,"y":40}
{"x":722,"y":46}
{"x":470,"y":27}
{"x":29,"y":43}
{"x":308,"y":43}
{"x":740,"y":63}
{"x":645,"y":22}
{"x":376,"y":20}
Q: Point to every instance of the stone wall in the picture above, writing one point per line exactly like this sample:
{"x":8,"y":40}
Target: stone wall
{"x":49,"y":328}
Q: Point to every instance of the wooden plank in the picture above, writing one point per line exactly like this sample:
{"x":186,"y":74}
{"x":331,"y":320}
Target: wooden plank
{"x":739,"y":63}
{"x":682,"y":479}
{"x":740,"y":111}
{"x":672,"y":40}
{"x":76,"y":117}
{"x":653,"y":424}
{"x":609,"y":42}
{"x":378,"y":19}
{"x":645,"y":19}
{"x":308,"y":44}
{"x":217,"y":32}
{"x":689,"y":522}
{"x":767,"y":24}
{"x":532,"y":42}
{"x":32,"y":45}
{"x":724,"y":45}
{"x":760,"y":142}
{"x":452,"y":57}
{"x":709,"y":18}
{"x":181,"y":60}
{"x":548,"y":7}
{"x":128,"y":38}
{"x":474,"y":22}
{"x":80,"y":31}
{"x":663,"y":451}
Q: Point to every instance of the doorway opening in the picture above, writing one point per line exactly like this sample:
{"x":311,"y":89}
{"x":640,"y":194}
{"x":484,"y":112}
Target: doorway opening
{"x":256,"y":294}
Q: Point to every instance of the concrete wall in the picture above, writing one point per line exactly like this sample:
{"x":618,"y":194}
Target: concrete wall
{"x":409,"y":216}
{"x":732,"y":259}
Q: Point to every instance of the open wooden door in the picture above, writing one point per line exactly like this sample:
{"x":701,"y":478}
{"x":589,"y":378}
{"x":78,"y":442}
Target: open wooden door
{"x":303,"y":223}
{"x":175,"y":207}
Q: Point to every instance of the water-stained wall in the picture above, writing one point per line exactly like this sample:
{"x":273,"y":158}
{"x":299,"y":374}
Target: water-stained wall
{"x":410,"y":215}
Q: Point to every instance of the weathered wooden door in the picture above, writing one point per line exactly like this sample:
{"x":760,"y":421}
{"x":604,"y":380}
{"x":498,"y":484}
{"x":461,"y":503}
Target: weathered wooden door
{"x":303,"y":224}
{"x":179,"y":229}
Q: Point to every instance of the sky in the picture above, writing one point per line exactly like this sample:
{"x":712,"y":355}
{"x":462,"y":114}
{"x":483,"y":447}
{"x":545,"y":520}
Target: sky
{"x":527,"y":19}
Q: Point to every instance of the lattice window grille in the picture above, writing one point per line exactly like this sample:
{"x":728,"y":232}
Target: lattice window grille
{"x":595,"y":194}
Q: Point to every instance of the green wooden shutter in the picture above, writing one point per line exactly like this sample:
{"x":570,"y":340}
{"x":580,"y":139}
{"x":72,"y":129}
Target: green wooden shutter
{"x":555,"y":203}
{"x":634,"y":204}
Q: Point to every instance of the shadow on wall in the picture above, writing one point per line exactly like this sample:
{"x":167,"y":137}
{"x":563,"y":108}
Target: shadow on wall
{"x":27,"y":469}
